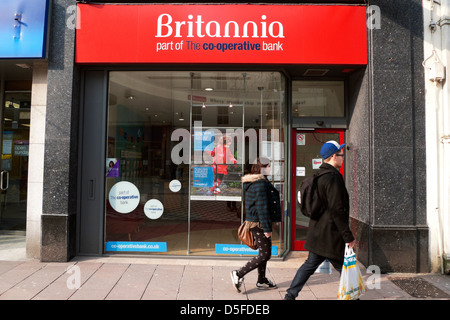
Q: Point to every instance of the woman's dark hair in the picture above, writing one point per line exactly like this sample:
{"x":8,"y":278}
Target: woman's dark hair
{"x":260,"y":163}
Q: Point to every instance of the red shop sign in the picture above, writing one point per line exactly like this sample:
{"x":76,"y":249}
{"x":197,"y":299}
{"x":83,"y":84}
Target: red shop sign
{"x":265,"y":34}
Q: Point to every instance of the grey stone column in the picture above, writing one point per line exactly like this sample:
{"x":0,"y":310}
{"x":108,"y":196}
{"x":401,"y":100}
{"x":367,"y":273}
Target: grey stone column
{"x":386,"y":157}
{"x":58,"y":220}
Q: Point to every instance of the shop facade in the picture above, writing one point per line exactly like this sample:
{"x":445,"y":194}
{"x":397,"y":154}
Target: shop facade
{"x":203,"y":94}
{"x":154,"y":112}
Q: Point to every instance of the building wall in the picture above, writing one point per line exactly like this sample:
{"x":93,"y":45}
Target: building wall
{"x":61,"y":124}
{"x":386,"y":135}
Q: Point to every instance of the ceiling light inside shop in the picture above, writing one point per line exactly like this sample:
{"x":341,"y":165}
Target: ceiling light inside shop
{"x":209,"y":89}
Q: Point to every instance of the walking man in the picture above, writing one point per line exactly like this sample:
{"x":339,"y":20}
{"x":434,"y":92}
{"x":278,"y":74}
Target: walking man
{"x":327,"y":236}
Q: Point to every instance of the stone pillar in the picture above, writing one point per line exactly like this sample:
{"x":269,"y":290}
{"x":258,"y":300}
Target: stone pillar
{"x":36,"y":159}
{"x":60,"y":158}
{"x":386,"y":164}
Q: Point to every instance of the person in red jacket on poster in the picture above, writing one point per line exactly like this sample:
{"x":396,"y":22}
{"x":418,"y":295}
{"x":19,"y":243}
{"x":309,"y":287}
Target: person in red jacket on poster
{"x":222,"y":157}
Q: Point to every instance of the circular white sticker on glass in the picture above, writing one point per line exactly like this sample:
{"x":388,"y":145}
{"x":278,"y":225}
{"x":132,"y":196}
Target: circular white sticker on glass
{"x":124,"y":197}
{"x":153,"y":209}
{"x":175,"y":185}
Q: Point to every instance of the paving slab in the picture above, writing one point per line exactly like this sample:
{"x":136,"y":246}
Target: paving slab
{"x":101,"y":282}
{"x":223,"y":288}
{"x":133,"y":278}
{"x":8,"y":265}
{"x":16,"y":275}
{"x":62,"y":287}
{"x":133,"y":283}
{"x":165,"y":283}
{"x":35,"y":282}
{"x":196,"y":283}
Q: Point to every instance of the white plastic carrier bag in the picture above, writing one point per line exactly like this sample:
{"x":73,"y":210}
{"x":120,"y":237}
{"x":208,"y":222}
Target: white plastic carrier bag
{"x":351,"y":285}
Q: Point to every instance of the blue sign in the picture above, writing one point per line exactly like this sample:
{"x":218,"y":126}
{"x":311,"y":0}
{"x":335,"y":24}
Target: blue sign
{"x":129,"y":246}
{"x":239,"y":249}
{"x":23,"y":28}
{"x":203,"y":177}
{"x":204,"y":140}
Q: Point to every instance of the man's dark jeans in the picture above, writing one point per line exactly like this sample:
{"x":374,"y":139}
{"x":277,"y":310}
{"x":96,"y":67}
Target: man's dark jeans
{"x":306,"y":270}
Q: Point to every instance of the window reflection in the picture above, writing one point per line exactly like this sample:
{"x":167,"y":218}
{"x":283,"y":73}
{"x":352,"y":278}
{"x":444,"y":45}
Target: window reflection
{"x":318,"y":99}
{"x":186,"y":206}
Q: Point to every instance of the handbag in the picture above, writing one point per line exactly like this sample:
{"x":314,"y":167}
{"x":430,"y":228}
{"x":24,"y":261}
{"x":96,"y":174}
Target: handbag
{"x":246,"y":236}
{"x":351,"y":285}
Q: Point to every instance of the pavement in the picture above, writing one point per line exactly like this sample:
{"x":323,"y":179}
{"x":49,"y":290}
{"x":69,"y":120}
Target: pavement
{"x":187,"y":279}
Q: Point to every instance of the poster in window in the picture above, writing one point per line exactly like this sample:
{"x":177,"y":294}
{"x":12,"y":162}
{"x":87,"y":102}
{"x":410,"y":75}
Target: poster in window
{"x":218,"y":177}
{"x":112,"y":167}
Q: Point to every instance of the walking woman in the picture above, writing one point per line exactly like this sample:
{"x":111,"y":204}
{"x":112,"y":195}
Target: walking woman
{"x":262,"y":208}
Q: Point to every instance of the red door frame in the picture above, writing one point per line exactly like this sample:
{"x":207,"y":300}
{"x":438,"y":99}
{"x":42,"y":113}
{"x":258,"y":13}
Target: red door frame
{"x":299,"y":245}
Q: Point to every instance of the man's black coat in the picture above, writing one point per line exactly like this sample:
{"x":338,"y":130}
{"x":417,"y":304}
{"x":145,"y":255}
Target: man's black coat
{"x":328,"y":235}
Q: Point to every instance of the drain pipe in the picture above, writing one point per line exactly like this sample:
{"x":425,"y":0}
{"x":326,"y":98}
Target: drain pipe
{"x":444,"y":23}
{"x":436,"y":41}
